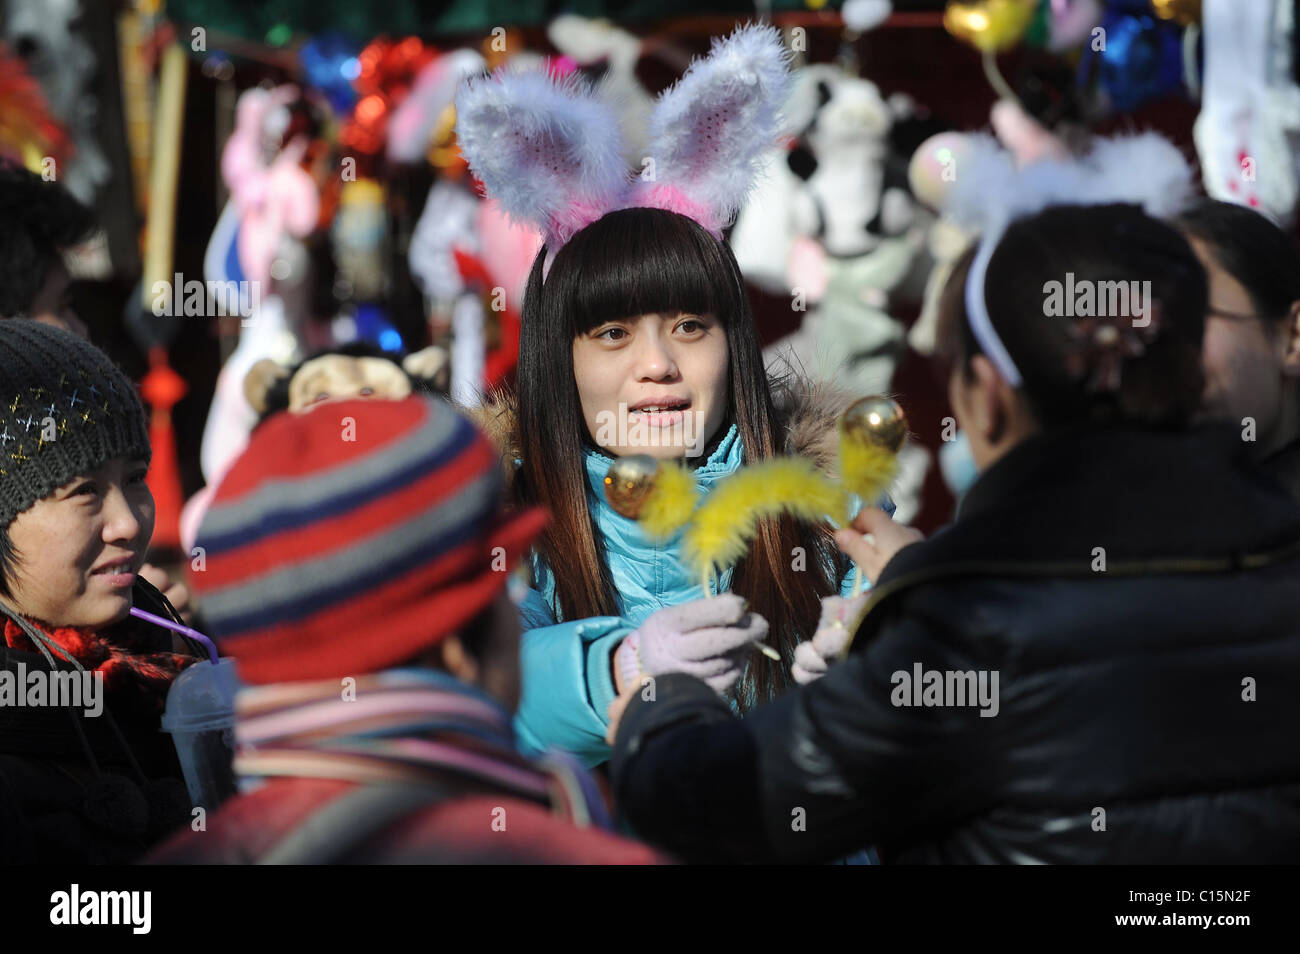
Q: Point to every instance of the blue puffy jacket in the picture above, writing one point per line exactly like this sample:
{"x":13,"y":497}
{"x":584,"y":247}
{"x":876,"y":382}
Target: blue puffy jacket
{"x":567,"y":684}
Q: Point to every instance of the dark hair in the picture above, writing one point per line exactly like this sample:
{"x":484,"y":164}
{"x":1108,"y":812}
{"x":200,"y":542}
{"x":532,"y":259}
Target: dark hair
{"x":8,"y":562}
{"x":632,"y":262}
{"x":475,"y":634}
{"x":1108,"y":243}
{"x":1251,"y":249}
{"x":40,"y":219}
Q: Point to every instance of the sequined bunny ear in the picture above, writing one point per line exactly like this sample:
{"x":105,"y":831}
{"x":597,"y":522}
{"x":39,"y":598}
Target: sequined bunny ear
{"x":547,"y":149}
{"x":709,"y":132}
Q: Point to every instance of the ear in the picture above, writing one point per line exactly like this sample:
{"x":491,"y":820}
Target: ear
{"x":1291,"y":345}
{"x":427,"y":363}
{"x":457,"y":661}
{"x":260,"y":379}
{"x":992,"y":401}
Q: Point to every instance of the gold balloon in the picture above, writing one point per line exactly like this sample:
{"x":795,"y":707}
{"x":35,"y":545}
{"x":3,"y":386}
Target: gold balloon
{"x":989,"y":25}
{"x":628,"y":483}
{"x":876,"y":420}
{"x":1185,"y":12}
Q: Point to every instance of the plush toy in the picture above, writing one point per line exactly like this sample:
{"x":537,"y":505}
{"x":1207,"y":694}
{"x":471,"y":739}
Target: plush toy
{"x":276,"y":198}
{"x":1250,"y":106}
{"x":352,"y":371}
{"x":934,"y":168}
{"x":851,"y":230}
{"x":462,"y":249}
{"x":852,"y":235}
{"x":257,"y":253}
{"x":270,"y":386}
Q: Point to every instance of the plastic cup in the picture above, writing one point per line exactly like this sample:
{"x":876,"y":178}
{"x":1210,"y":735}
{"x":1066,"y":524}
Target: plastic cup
{"x":200,"y":716}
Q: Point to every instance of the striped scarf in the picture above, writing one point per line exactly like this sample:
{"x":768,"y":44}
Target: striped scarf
{"x":403,"y":726}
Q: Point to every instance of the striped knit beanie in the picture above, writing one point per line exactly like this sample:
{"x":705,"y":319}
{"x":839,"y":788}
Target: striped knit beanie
{"x":352,"y":537}
{"x":65,"y":409}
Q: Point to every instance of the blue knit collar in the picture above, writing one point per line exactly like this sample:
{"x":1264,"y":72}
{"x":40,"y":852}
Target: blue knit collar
{"x":725,"y":458}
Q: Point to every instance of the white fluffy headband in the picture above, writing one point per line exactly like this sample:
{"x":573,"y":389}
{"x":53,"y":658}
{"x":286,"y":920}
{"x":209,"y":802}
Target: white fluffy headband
{"x":551,"y":153}
{"x":989,"y":193}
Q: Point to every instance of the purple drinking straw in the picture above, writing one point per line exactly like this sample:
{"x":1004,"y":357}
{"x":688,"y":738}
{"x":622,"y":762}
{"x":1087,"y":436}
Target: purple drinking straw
{"x":177,"y":627}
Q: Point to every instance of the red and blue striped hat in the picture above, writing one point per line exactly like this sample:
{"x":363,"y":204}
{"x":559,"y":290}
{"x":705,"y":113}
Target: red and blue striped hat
{"x":353,"y":537}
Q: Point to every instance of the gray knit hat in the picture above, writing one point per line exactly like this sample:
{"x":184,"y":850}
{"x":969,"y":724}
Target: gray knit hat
{"x":55,"y":384}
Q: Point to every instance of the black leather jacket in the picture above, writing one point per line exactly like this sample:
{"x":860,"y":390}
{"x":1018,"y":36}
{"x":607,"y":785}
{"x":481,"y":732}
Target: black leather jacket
{"x":1145,"y":711}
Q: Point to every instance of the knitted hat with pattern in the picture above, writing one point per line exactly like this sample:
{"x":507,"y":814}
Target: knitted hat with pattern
{"x":353,"y":537}
{"x":65,"y":409}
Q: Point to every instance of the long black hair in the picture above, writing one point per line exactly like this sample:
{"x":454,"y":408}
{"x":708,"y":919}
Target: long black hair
{"x":632,"y":262}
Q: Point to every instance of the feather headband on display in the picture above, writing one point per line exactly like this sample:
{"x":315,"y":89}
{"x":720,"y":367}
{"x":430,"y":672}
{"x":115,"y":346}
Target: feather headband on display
{"x":989,"y":193}
{"x":550,"y":151}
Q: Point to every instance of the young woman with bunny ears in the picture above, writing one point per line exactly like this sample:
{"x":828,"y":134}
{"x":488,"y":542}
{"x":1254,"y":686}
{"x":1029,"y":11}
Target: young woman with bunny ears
{"x":635,"y":321}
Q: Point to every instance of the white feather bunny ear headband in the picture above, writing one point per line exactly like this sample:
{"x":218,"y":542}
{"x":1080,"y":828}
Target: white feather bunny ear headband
{"x":989,"y":193}
{"x":550,"y":152}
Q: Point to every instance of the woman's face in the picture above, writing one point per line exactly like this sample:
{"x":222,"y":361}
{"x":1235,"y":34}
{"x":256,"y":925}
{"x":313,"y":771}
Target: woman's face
{"x":79,"y":548}
{"x":655,"y":384}
{"x":1242,"y":353}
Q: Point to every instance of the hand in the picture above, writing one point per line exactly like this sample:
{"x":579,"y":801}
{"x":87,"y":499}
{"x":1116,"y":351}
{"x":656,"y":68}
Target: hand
{"x":839,"y":620}
{"x":615,"y":713}
{"x":177,"y":593}
{"x":708,"y":638}
{"x":884,"y":537}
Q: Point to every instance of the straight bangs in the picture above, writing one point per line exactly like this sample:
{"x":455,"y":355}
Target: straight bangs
{"x":629,"y":263}
{"x":636,"y":262}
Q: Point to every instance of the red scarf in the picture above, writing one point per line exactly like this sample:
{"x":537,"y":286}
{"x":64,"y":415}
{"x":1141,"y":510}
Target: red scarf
{"x":136,"y":673}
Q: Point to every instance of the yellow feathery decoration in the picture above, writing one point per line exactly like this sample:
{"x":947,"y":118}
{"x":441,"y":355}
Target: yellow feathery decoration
{"x":728,"y":519}
{"x":872,"y":432}
{"x":866,"y":469}
{"x":672,"y":501}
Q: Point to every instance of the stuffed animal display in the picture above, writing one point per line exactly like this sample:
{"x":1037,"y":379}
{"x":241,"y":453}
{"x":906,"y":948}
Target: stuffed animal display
{"x":354,"y":371}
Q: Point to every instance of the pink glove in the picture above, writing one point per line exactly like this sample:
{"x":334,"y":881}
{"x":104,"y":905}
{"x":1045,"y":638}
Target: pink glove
{"x":839,"y":620}
{"x":707,"y":638}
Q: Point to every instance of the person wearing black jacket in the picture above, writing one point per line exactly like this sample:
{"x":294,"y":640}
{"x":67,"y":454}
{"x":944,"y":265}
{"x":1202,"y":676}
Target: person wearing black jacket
{"x":86,"y":774}
{"x":1096,"y":662}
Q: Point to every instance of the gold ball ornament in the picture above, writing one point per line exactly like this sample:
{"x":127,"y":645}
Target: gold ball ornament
{"x":877,"y":421}
{"x":989,"y":25}
{"x":628,"y":483}
{"x":1184,"y":12}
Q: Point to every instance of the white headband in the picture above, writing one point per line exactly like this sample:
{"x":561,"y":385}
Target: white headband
{"x":989,"y":193}
{"x":977,"y":312}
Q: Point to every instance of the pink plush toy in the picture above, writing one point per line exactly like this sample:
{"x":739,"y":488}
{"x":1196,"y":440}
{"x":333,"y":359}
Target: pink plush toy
{"x":271,"y":199}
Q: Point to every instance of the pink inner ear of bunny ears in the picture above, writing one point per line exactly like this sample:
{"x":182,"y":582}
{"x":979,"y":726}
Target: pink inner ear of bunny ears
{"x":666,"y":197}
{"x":672,"y":199}
{"x":576,"y":216}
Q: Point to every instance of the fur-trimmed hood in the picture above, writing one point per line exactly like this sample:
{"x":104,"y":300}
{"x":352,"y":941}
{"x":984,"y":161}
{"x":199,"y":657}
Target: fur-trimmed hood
{"x":808,"y":411}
